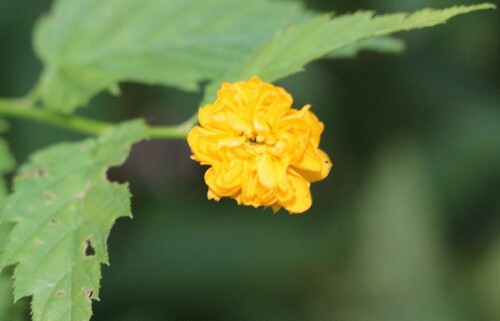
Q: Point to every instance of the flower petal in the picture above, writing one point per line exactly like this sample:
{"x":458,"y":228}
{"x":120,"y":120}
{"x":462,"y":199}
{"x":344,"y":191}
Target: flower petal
{"x":314,"y":166}
{"x":302,"y":200}
{"x":266,"y":171}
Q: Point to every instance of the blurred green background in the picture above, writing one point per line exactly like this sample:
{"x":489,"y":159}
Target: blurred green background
{"x":406,"y":227}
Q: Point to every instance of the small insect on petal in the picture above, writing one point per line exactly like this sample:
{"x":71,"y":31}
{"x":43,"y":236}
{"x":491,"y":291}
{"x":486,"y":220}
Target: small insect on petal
{"x":261,"y":151}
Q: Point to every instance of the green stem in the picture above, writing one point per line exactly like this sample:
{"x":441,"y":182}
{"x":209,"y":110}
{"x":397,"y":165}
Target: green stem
{"x":23,"y":109}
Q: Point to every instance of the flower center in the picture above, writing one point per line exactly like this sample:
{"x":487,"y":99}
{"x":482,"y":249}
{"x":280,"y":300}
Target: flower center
{"x":262,"y":142}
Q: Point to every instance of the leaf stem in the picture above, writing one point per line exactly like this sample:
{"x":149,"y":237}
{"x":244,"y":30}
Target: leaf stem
{"x":22,"y":108}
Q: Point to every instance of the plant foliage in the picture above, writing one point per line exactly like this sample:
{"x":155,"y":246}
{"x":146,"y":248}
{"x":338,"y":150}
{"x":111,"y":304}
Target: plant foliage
{"x":54,"y":226}
{"x":63,"y":207}
{"x":87,"y":46}
{"x":6,"y":165}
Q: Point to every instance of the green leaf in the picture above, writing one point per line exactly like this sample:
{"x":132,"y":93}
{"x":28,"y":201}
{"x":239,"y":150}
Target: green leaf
{"x":7,"y":164}
{"x":6,"y":299}
{"x":291,"y":49}
{"x":6,"y":287}
{"x":379,"y":44}
{"x":63,"y":208}
{"x":89,"y":45}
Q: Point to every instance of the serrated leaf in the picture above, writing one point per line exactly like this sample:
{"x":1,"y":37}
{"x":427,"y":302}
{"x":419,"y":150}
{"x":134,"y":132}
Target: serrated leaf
{"x":63,"y":208}
{"x":6,"y":300}
{"x":290,"y":50}
{"x":6,"y":165}
{"x":6,"y":286}
{"x":89,"y":45}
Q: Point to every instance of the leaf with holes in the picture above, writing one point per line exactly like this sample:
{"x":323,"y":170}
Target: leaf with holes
{"x":63,"y":208}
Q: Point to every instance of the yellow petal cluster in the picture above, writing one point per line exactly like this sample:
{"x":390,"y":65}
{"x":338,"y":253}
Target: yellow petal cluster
{"x":260,"y":150}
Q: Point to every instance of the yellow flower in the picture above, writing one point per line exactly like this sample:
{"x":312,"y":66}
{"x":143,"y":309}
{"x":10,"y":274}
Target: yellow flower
{"x":261,"y":152}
